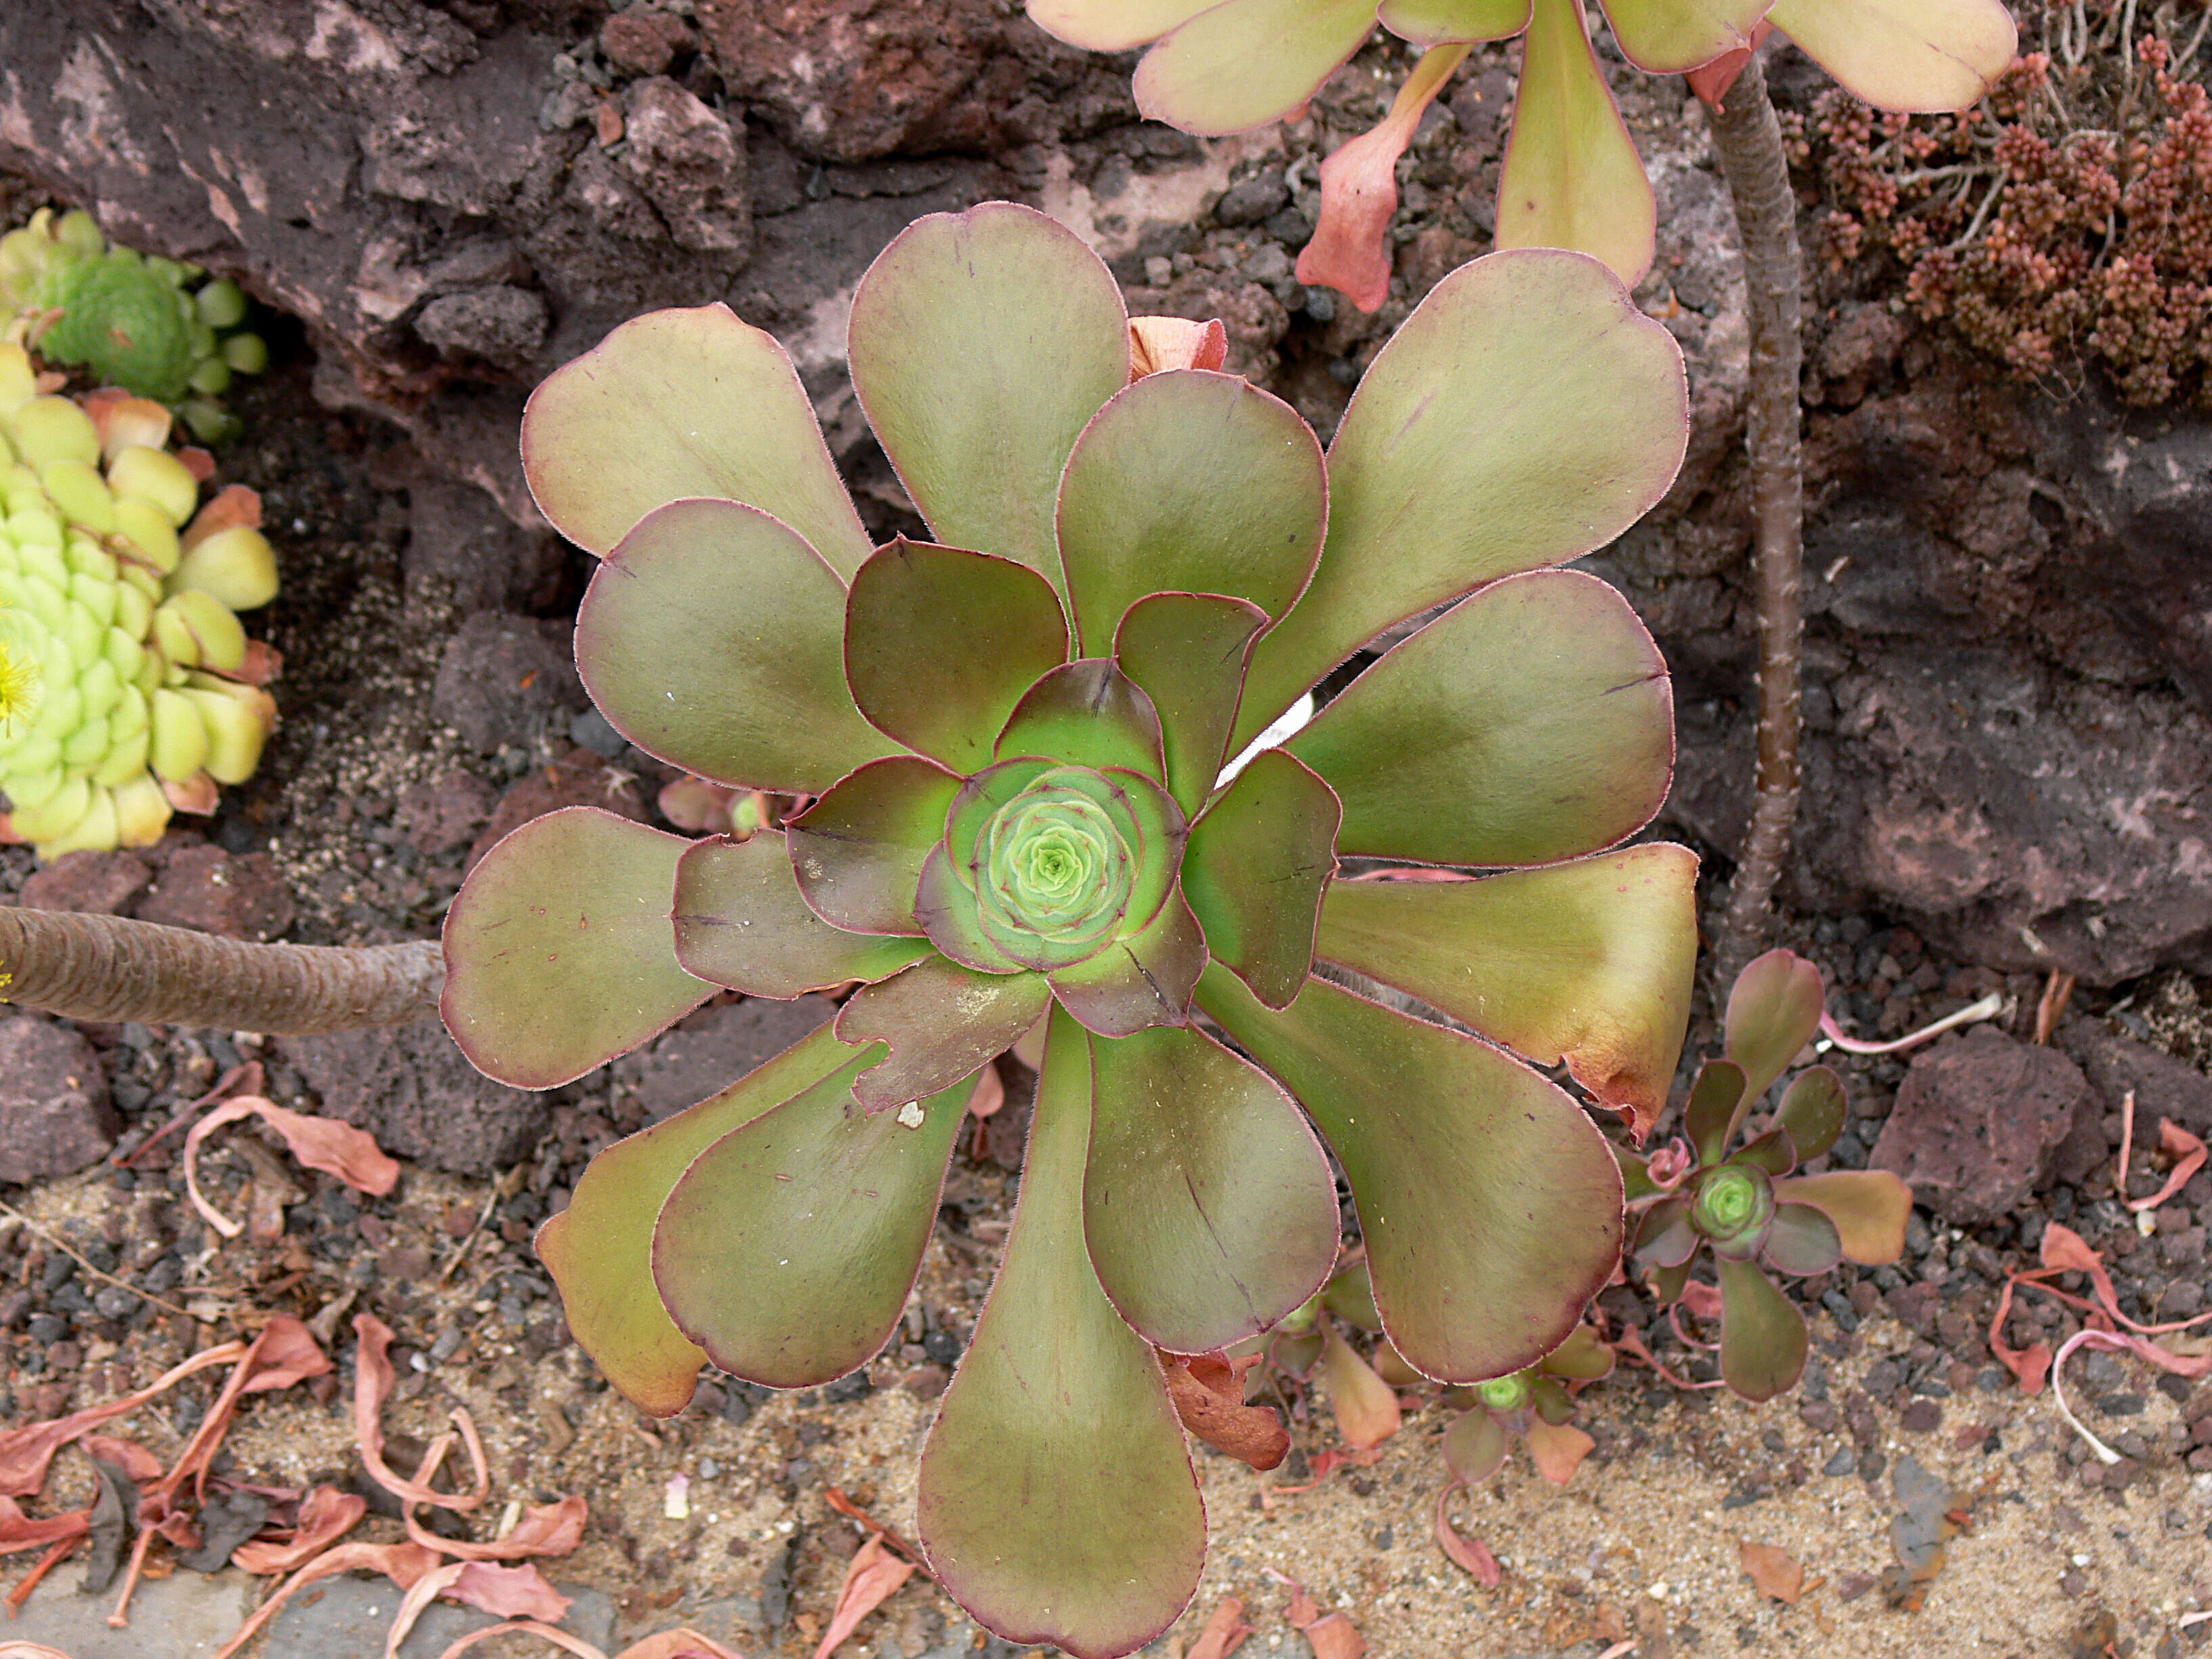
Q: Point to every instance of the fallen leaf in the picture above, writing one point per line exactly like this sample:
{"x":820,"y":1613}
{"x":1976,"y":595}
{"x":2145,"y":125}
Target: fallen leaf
{"x":1208,"y":1392}
{"x":679,"y":1644}
{"x":26,"y":1453}
{"x":224,"y":1526}
{"x":19,"y":1531}
{"x":1366,"y":1406}
{"x":1468,"y":1553}
{"x":29,"y":1650}
{"x":559,"y":1638}
{"x":1776,"y":1571}
{"x":1335,"y":1636}
{"x":871,"y":1577}
{"x":505,"y":1592}
{"x":1351,"y":248}
{"x":1157,"y":344}
{"x":989,"y":1093}
{"x":1224,"y":1633}
{"x":320,"y":1143}
{"x":403,"y":1563}
{"x":326,"y":1515}
{"x":373,"y":1378}
{"x":133,"y":1459}
{"x":547,"y":1530}
{"x":2187,"y":1150}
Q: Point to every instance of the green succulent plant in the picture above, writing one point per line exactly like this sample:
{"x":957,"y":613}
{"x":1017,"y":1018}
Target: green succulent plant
{"x":1015,"y":739}
{"x":126,"y":680}
{"x":1536,"y":1404}
{"x":156,"y":327}
{"x":1748,"y":1206}
{"x":1571,"y":176}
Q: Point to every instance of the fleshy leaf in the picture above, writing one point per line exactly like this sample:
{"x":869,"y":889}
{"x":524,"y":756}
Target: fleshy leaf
{"x":1532,"y":722}
{"x":857,"y":852}
{"x":1714,"y":1098}
{"x":1139,"y":981}
{"x":1087,"y":713}
{"x":1255,"y":870}
{"x":558,"y":951}
{"x":1208,"y":1206}
{"x":788,"y":1250}
{"x":712,"y":637}
{"x":1490,"y":1205}
{"x":1590,"y":962}
{"x":1474,"y":1446}
{"x":1433,"y":22}
{"x":1572,"y":178}
{"x":1870,"y":1207}
{"x":1187,"y":650}
{"x":1111,"y":25}
{"x":1474,"y":449}
{"x":981,"y":345}
{"x":940,"y":644}
{"x":942,"y":1022}
{"x":1557,"y":1450}
{"x":1762,"y":1334}
{"x":1243,"y":63}
{"x":1582,"y":1356}
{"x":1665,"y":1236}
{"x":681,"y":403}
{"x":1194,"y":483}
{"x":947,"y":910}
{"x":1773,"y":1012}
{"x":1055,"y":1498}
{"x":741,"y":922}
{"x":1802,"y":1241}
{"x":1669,"y":37}
{"x":1350,"y":1295}
{"x":1350,"y":250}
{"x":1771,"y":1152}
{"x":599,"y":1249}
{"x":1812,"y":1111}
{"x":1917,"y":55}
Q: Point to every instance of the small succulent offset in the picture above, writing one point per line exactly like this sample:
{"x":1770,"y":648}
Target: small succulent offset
{"x":150,"y":325}
{"x":128,"y":687}
{"x":1015,"y":739}
{"x":1536,"y":1404}
{"x":1749,"y":1207}
{"x":1572,"y":176}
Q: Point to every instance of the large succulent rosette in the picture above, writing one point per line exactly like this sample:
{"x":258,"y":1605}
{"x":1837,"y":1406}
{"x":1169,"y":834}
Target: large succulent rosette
{"x":1015,"y":736}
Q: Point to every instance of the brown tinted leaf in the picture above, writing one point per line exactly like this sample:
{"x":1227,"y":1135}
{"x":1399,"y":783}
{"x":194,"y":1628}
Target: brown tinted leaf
{"x":320,"y":1143}
{"x":1776,"y":1571}
{"x":1208,"y":1392}
{"x":548,"y":1530}
{"x":326,"y":1515}
{"x":1466,"y":1552}
{"x":1558,"y":1449}
{"x":871,"y":1578}
{"x":373,"y":1378}
{"x":1335,"y":1636}
{"x":1224,"y":1633}
{"x":233,"y":505}
{"x":26,"y":1453}
{"x":1366,"y":1406}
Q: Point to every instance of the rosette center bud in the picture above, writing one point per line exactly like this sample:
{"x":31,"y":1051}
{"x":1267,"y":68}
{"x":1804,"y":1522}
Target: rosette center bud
{"x":1504,"y":1393}
{"x":1057,"y":862}
{"x":1735,"y":1202}
{"x":23,"y":684}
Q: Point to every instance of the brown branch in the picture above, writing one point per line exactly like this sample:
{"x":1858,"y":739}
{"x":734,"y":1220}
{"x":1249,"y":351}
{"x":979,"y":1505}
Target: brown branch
{"x":111,"y":968}
{"x":1749,"y":140}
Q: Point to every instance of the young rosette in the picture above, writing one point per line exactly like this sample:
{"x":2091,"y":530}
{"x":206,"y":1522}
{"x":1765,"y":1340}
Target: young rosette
{"x":128,"y":687}
{"x":1750,"y":1207}
{"x":1015,"y":735}
{"x":1536,"y":1404}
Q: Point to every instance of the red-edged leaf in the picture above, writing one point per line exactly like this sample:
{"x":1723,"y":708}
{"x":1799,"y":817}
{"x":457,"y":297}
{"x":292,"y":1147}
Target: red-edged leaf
{"x":872,"y":1575}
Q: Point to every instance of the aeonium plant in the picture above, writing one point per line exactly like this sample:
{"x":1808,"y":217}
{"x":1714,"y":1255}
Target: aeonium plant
{"x":1571,"y":176}
{"x":1536,"y":1405}
{"x":1015,"y":735}
{"x":1749,"y":1207}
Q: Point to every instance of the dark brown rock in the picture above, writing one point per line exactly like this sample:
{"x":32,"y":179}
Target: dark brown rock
{"x":502,"y":325}
{"x":2163,"y":1086}
{"x":1979,"y":1121}
{"x":690,"y":164}
{"x":462,"y":552}
{"x":204,"y":887}
{"x":102,"y":883}
{"x":578,"y":778}
{"x":55,"y":1118}
{"x":445,"y":813}
{"x":412,"y":1089}
{"x":503,"y":677}
{"x":709,"y":1050}
{"x":646,"y":39}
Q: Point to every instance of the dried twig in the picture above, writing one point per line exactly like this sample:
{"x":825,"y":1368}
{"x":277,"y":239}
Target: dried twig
{"x":69,"y":1250}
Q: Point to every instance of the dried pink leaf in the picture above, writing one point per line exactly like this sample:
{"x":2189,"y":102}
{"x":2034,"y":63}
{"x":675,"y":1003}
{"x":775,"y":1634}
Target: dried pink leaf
{"x":326,"y":1515}
{"x":873,"y":1574}
{"x":1469,"y":1554}
{"x":320,"y":1143}
{"x":373,"y":1378}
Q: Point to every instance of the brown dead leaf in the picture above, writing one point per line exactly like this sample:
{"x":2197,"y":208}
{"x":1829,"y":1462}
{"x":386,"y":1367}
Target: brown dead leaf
{"x":504,"y":1591}
{"x":326,"y":1515}
{"x":320,"y":1143}
{"x":26,"y":1453}
{"x":373,"y":1378}
{"x":1776,"y":1571}
{"x":133,"y":1459}
{"x":547,"y":1530}
{"x":1331,"y":1635}
{"x":1208,"y":1392}
{"x":872,"y":1575}
{"x":989,"y":1093}
{"x":1467,"y":1554}
{"x":402,"y":1564}
{"x":1224,"y":1633}
{"x":1366,"y":1406}
{"x":560,"y":1639}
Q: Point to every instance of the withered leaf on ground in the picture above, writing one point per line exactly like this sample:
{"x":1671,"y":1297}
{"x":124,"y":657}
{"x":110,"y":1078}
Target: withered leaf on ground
{"x":1467,"y":1554}
{"x":113,"y":1523}
{"x":1208,"y":1392}
{"x":1225,"y":1632}
{"x":1776,"y":1571}
{"x":871,"y":1578}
